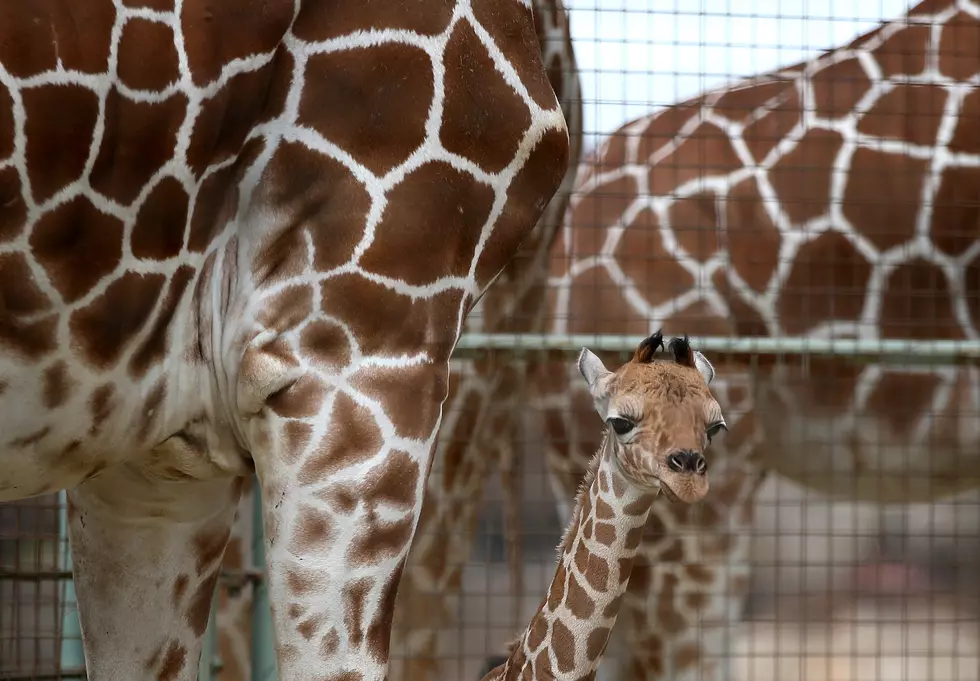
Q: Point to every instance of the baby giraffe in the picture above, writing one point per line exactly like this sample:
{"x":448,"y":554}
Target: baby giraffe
{"x":659,"y":416}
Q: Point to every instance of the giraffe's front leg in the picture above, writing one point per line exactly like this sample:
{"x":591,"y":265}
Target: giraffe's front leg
{"x":341,"y":460}
{"x":146,"y":553}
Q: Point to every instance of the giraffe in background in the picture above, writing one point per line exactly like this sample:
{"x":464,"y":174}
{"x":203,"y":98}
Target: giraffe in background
{"x":228,"y":252}
{"x":660,"y":416}
{"x":836,"y":198}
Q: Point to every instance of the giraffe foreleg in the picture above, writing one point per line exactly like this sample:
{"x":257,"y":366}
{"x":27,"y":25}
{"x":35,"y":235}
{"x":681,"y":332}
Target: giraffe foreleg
{"x":341,"y":462}
{"x":146,"y":554}
{"x":429,"y":594}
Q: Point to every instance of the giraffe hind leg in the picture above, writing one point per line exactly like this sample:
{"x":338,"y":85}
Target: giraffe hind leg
{"x":146,"y":554}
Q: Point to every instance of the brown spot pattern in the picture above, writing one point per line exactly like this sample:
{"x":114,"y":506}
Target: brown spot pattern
{"x":158,"y":233}
{"x":154,"y":346}
{"x":694,"y":221}
{"x":147,"y":55}
{"x":355,"y":595}
{"x":379,"y":632}
{"x":227,"y":118}
{"x":200,"y":605}
{"x":77,"y":245}
{"x":13,"y":210}
{"x":57,"y":384}
{"x":259,"y":26}
{"x":173,"y":662}
{"x":37,"y":35}
{"x":60,"y":120}
{"x":411,"y":397}
{"x":753,"y":238}
{"x":828,"y":281}
{"x":508,"y":27}
{"x":300,"y":399}
{"x":578,"y":600}
{"x":707,"y":152}
{"x":326,"y":343}
{"x":802,"y":177}
{"x":319,"y":195}
{"x":435,"y":205}
{"x":908,"y":113}
{"x":917,"y":304}
{"x":563,"y":645}
{"x":883,"y":194}
{"x":959,"y":47}
{"x":19,"y":297}
{"x":596,"y":643}
{"x":645,"y":259}
{"x":386,"y":90}
{"x":838,"y":87}
{"x":102,"y":329}
{"x":312,"y":531}
{"x":354,"y":437}
{"x":904,"y":52}
{"x":179,"y":589}
{"x":763,"y":134}
{"x":483,"y":117}
{"x":324,"y":20}
{"x":139,"y":139}
{"x":371,"y":310}
{"x":956,"y":210}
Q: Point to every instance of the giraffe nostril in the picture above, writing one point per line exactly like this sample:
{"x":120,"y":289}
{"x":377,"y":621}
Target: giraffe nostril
{"x":687,"y":462}
{"x":700,"y":464}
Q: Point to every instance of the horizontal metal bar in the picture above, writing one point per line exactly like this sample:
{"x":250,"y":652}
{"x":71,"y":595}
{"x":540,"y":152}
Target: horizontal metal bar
{"x":47,"y":575}
{"x":905,"y":349}
{"x":73,"y":673}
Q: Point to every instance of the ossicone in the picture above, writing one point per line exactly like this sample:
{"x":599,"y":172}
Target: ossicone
{"x":680,"y":348}
{"x":648,"y":348}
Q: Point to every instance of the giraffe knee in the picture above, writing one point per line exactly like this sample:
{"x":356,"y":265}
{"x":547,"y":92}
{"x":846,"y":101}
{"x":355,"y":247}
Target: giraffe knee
{"x":265,"y":370}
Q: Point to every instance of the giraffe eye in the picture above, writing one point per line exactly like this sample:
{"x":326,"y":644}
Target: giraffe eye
{"x":621,"y":425}
{"x":714,"y":428}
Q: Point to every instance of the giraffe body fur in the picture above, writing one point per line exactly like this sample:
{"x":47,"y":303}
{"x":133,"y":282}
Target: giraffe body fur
{"x":251,"y":249}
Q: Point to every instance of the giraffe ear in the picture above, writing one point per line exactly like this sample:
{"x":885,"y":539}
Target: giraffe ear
{"x":704,"y":366}
{"x":597,"y":376}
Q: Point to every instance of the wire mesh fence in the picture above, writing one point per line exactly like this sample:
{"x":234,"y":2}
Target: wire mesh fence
{"x":796,"y":185}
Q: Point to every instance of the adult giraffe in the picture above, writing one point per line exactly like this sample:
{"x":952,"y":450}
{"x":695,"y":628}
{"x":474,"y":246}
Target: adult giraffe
{"x":833,"y":199}
{"x":240,"y":238}
{"x":480,"y":392}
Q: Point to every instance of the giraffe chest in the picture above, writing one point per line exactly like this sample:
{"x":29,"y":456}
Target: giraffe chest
{"x":59,"y":425}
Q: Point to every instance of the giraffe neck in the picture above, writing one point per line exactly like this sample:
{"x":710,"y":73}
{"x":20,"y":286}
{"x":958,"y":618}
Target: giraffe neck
{"x":568,"y":634}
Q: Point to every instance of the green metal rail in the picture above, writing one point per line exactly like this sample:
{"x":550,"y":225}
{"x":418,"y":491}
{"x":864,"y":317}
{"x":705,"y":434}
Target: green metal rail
{"x":885,"y":349}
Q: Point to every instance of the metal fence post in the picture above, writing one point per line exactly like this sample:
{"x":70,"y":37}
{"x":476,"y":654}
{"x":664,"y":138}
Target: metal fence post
{"x":210,"y":662}
{"x":263,"y":648}
{"x":72,"y":656}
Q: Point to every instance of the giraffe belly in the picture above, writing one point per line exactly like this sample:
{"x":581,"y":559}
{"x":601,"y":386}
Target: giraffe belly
{"x":879,"y":434}
{"x":58,"y":429}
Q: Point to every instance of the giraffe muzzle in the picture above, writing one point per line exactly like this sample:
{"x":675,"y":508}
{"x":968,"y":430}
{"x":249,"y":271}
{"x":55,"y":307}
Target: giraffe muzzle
{"x":687,"y":462}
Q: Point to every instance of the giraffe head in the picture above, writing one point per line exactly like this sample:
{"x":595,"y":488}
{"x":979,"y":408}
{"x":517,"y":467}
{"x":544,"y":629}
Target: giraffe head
{"x":660,"y":414}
